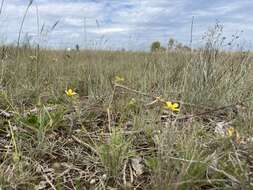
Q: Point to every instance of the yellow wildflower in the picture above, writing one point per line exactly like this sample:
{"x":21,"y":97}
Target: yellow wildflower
{"x":119,"y":79}
{"x":70,"y":92}
{"x":174,"y":106}
{"x":132,"y":102}
{"x":231,"y":131}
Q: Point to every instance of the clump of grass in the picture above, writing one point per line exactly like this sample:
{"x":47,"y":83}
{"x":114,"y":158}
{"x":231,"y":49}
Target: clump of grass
{"x":114,"y":152}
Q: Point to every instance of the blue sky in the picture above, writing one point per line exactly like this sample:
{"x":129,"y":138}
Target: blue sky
{"x":129,"y":24}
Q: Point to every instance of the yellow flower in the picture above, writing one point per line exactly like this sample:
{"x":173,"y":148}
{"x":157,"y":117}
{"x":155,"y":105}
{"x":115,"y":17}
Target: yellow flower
{"x":132,"y":102}
{"x":231,"y":131}
{"x":174,"y":106}
{"x":70,"y":92}
{"x":119,"y":79}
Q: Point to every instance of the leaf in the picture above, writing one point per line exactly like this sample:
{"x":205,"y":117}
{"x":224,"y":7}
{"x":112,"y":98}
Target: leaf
{"x":137,"y":165}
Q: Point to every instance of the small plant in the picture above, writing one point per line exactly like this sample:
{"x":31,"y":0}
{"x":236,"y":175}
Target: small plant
{"x":41,"y":122}
{"x":113,"y":152}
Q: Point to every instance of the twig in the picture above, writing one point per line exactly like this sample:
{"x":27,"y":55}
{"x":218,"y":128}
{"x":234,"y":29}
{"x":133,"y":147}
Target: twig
{"x":209,"y":111}
{"x":5,"y":114}
{"x":157,"y":99}
{"x":199,"y":181}
{"x":84,"y":144}
{"x":211,"y":167}
{"x":131,"y":174}
{"x":154,"y":97}
{"x":132,"y":90}
{"x":124,"y":173}
{"x":47,"y":179}
{"x":109,"y":119}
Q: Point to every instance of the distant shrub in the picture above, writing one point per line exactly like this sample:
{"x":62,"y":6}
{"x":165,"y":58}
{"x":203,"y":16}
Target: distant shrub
{"x":155,"y":46}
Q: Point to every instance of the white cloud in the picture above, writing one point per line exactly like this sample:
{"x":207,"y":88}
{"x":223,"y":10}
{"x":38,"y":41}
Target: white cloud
{"x":108,"y":30}
{"x":74,"y":21}
{"x":142,"y":21}
{"x":220,"y":10}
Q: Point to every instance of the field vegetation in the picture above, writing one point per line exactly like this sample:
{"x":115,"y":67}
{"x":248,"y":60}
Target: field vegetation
{"x":93,"y":119}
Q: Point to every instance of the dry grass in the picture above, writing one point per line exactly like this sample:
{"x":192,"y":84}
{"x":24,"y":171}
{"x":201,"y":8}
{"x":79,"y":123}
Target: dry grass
{"x":98,"y":140}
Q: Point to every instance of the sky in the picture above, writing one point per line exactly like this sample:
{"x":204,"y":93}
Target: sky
{"x":128,"y":24}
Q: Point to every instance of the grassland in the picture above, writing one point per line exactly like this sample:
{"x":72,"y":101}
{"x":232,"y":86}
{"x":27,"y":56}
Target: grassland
{"x":115,"y":134}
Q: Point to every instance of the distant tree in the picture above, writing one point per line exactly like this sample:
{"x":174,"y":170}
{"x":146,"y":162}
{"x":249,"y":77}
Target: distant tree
{"x":155,"y":46}
{"x":77,"y":47}
{"x":171,"y":43}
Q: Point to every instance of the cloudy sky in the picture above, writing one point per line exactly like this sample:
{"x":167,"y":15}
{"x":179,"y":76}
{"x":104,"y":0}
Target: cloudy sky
{"x":129,"y":24}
